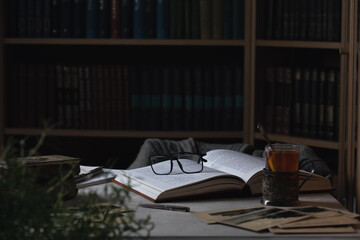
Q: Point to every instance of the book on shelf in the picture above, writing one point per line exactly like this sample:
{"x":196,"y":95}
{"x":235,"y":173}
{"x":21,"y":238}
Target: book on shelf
{"x":225,"y":171}
{"x":313,"y":103}
{"x":162,"y":19}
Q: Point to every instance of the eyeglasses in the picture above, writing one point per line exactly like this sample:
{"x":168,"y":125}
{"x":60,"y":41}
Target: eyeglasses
{"x":188,"y":163}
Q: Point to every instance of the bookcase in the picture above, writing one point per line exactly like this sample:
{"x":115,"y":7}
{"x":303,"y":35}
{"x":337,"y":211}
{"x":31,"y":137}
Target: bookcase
{"x":112,"y":74}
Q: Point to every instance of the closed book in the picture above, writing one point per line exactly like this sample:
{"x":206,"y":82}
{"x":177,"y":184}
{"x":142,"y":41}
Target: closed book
{"x":67,"y":97}
{"x":330,"y":105}
{"x":228,"y":19}
{"x":135,"y":99}
{"x":239,"y":97}
{"x":269,"y":19}
{"x":238,"y":19}
{"x":116,"y":97}
{"x":139,"y":26}
{"x":104,"y":19}
{"x":12,"y":18}
{"x":100,"y":93}
{"x":42,"y":100}
{"x":82,"y":96}
{"x":279,"y":83}
{"x":313,"y":114}
{"x":297,"y":19}
{"x":127,"y":76}
{"x":47,"y":13}
{"x":218,"y":98}
{"x":155,"y":99}
{"x":145,"y":96}
{"x":115,"y":11}
{"x":198,"y":97}
{"x":321,"y":104}
{"x":30,"y":18}
{"x":285,"y":20}
{"x":60,"y":102}
{"x":208,"y":99}
{"x":150,"y":19}
{"x":205,"y":19}
{"x":21,"y":21}
{"x":188,"y":98}
{"x":188,"y":19}
{"x":287,"y":99}
{"x":292,"y":16}
{"x":78,"y":25}
{"x":66,"y":21}
{"x":55,"y":19}
{"x":306,"y":103}
{"x":51,"y":105}
{"x":75,"y":96}
{"x":312,"y":10}
{"x":163,"y":19}
{"x":177,"y":98}
{"x":330,"y":20}
{"x":304,"y":20}
{"x":324,"y":20}
{"x":319,"y":20}
{"x":195,"y":19}
{"x":38,"y":21}
{"x":108,"y":94}
{"x":127,"y":18}
{"x":228,"y":98}
{"x":166,"y":99}
{"x":270,"y":99}
{"x":278,"y":13}
{"x":298,"y":98}
{"x":92,"y":19}
{"x":218,"y":19}
{"x":95,"y":95}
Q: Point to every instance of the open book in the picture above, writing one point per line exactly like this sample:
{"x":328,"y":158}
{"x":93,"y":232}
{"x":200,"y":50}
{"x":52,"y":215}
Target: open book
{"x":225,"y":170}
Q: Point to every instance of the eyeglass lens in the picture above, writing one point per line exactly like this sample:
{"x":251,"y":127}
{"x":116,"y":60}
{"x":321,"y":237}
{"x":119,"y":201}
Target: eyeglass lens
{"x":190,"y":163}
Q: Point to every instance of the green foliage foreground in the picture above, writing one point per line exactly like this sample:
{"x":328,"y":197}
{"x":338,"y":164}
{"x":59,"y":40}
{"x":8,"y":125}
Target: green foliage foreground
{"x":28,"y":211}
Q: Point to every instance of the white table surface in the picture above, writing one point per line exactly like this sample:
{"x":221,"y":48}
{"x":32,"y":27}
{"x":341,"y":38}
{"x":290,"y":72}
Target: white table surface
{"x":175,"y":224}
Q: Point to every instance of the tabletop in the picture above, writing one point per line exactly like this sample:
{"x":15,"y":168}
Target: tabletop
{"x":176,"y":224}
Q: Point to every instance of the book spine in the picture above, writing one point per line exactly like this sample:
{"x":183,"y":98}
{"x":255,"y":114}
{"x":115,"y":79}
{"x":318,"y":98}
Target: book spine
{"x":180,"y":20}
{"x":312,"y":19}
{"x":330,"y":20}
{"x":46,"y":21}
{"x":12,"y":18}
{"x":78,"y":26}
{"x":75,"y":96}
{"x":279,"y":83}
{"x":65,"y":18}
{"x":155,"y":99}
{"x":21,"y":21}
{"x":88,"y":96}
{"x":330,"y":105}
{"x":285,"y":20}
{"x":208,"y":99}
{"x":188,"y":19}
{"x":42,"y":95}
{"x":228,"y":96}
{"x":278,"y":12}
{"x":55,"y":19}
{"x":218,"y":98}
{"x":205,"y":19}
{"x":313,"y":117}
{"x":115,"y":19}
{"x":166,"y":100}
{"x":92,"y":16}
{"x":298,"y":94}
{"x":306,"y":104}
{"x":13,"y":96}
{"x":321,"y":110}
{"x":177,"y":95}
{"x":38,"y":21}
{"x":32,"y":96}
{"x":150,"y":19}
{"x":287,"y":99}
{"x":238,"y":19}
{"x":127,"y":18}
{"x":198,"y":97}
{"x":163,"y":19}
{"x":104,"y":19}
{"x":304,"y":18}
{"x":269,"y":19}
{"x":145,"y":96}
{"x":238,"y":98}
{"x":67,"y":98}
{"x":51,"y":79}
{"x":139,"y":27}
{"x":195,"y":19}
{"x":188,"y":98}
{"x":60,"y":97}
{"x":228,"y":19}
{"x":270,"y":99}
{"x":319,"y":20}
{"x":218,"y":18}
{"x":82,"y":96}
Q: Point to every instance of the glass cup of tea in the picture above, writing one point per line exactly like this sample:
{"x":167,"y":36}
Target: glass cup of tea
{"x":281,"y":175}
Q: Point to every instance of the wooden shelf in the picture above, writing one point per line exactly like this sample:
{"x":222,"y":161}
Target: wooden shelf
{"x":300,"y":140}
{"x":141,"y":42}
{"x":298,"y":44}
{"x":127,"y":133}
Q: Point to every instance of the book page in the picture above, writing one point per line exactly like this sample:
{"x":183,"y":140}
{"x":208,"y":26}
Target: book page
{"x":236,"y":163}
{"x":146,"y":177}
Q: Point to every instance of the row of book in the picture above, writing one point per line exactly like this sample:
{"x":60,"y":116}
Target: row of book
{"x":305,"y":20}
{"x":162,"y":19}
{"x":302,"y":101}
{"x":137,"y":97}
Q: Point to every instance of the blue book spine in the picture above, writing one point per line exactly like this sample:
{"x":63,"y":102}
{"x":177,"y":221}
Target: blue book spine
{"x":91,"y":19}
{"x":163,"y":19}
{"x":238,"y":19}
{"x":127,"y":20}
{"x":139,"y":19}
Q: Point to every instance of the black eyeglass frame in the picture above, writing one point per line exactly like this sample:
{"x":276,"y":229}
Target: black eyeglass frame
{"x":176,"y":156}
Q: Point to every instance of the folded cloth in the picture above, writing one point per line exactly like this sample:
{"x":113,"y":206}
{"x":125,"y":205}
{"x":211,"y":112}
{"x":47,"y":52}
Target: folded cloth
{"x":308,"y":160}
